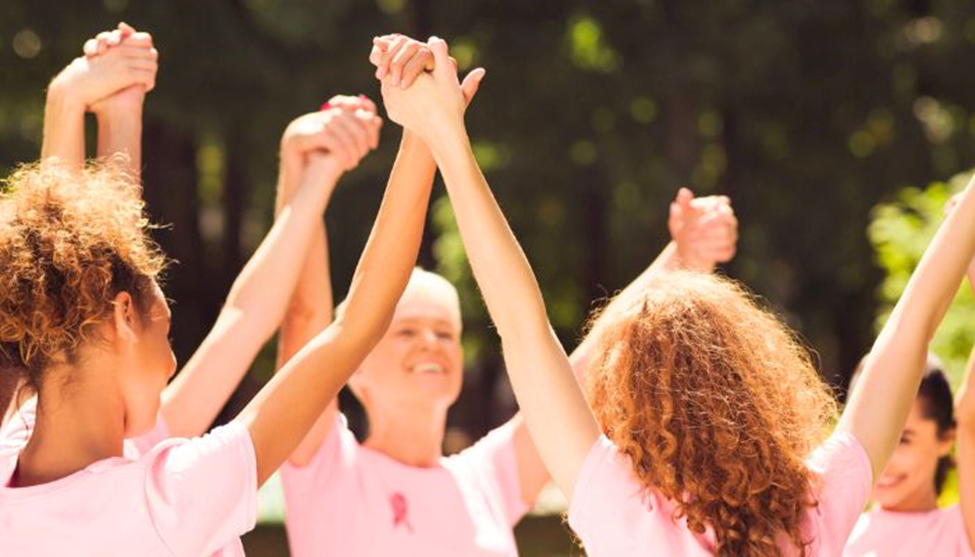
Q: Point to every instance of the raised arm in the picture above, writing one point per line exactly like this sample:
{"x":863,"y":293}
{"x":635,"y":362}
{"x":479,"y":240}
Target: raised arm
{"x":259,"y":297}
{"x":965,"y":416}
{"x":88,"y":80}
{"x":119,"y":115}
{"x":284,"y":411}
{"x":553,"y":405}
{"x":882,"y":398}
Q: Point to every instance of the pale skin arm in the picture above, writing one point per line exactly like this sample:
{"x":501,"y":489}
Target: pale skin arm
{"x":260,"y":296}
{"x":540,"y":372}
{"x":883,"y":397}
{"x":965,"y":440}
{"x":87,"y":83}
{"x":312,"y":302}
{"x":280,"y":416}
{"x":119,"y":116}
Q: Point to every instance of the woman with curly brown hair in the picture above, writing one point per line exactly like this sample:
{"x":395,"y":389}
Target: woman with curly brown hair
{"x":711,"y":432}
{"x":82,"y":314}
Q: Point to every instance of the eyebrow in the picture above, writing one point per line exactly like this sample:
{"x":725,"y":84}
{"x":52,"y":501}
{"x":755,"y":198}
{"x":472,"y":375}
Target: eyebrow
{"x":437,"y":321}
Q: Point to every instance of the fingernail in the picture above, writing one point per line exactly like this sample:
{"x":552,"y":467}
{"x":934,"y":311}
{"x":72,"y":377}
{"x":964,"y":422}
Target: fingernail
{"x":325,"y":106}
{"x":361,"y":96}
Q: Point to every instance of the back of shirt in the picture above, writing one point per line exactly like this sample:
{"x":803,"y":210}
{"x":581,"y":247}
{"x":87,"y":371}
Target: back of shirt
{"x":184,"y":497}
{"x":614,"y":516}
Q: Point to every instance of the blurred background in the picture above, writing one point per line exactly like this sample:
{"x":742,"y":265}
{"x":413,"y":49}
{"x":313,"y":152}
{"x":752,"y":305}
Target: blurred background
{"x":835,"y":127}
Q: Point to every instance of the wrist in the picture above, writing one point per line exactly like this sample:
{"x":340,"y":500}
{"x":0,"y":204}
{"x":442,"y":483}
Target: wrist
{"x":60,"y":99}
{"x":447,"y":139}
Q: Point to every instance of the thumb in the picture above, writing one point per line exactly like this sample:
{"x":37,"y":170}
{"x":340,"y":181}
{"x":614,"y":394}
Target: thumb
{"x":683,"y":201}
{"x":125,"y":29}
{"x":471,"y":83}
{"x":440,"y":56}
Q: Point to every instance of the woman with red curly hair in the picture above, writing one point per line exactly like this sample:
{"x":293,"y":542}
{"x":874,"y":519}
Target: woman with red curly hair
{"x":710,"y":428}
{"x":83,"y":318}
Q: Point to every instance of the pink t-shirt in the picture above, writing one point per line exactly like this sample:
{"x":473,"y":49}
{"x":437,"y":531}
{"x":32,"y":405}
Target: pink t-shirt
{"x":182,"y":497}
{"x":882,"y":533}
{"x":351,"y":500}
{"x":613,"y":518}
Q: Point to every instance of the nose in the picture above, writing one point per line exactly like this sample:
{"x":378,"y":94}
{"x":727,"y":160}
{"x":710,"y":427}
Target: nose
{"x":428,"y":338}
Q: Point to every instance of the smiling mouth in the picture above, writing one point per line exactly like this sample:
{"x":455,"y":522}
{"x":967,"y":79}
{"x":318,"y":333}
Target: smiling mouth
{"x":429,"y":368}
{"x":887,"y":482}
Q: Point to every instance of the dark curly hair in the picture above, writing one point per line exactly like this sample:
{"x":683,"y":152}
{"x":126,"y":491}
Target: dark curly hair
{"x":69,"y":243}
{"x":717,"y":405}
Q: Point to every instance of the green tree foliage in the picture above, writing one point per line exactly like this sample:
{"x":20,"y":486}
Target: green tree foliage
{"x":591,"y":116}
{"x":900,"y":230}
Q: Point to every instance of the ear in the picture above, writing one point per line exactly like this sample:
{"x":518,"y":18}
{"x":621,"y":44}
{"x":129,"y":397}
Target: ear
{"x":125,"y":317}
{"x":946,"y":442}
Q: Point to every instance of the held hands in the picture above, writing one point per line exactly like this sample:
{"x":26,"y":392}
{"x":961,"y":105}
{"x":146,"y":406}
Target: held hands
{"x":419,"y":84}
{"x":117,"y":69}
{"x":704,"y":230}
{"x":334,"y":139}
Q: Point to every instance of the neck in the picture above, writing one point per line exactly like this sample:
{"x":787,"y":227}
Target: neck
{"x":80,"y":420}
{"x":917,"y":503}
{"x":411,"y":436}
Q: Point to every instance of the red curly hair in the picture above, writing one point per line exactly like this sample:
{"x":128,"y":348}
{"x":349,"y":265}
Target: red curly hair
{"x":717,"y":404}
{"x":69,"y":243}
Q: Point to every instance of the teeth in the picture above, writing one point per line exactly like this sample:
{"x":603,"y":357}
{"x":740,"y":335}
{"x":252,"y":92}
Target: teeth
{"x":887,"y":481}
{"x":428,"y":368}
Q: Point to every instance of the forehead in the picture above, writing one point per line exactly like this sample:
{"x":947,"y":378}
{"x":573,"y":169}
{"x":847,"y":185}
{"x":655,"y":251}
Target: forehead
{"x":433,"y":299}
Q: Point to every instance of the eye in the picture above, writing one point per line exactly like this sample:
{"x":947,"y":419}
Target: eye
{"x":445,"y":335}
{"x":406,"y":332}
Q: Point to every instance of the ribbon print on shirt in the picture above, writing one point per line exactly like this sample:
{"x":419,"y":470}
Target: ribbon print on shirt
{"x":400,"y":511}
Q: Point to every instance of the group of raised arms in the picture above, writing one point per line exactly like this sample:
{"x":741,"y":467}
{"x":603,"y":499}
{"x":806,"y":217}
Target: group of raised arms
{"x":690,"y":420}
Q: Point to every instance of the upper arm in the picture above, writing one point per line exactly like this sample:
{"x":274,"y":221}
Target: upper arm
{"x":202,"y":493}
{"x":194,"y":398}
{"x":883,"y":396}
{"x":555,"y":411}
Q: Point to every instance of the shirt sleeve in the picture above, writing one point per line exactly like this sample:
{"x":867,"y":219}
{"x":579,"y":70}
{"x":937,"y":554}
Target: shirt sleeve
{"x":845,"y":481}
{"x":602,"y":504}
{"x":159,"y":433}
{"x":493,"y":461}
{"x":334,"y":456}
{"x":202,"y":493}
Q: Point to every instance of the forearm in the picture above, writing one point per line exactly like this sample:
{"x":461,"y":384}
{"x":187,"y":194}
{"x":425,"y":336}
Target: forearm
{"x":883,"y":397}
{"x":120,"y":133}
{"x":64,"y":128}
{"x":502,"y":271}
{"x":539,"y":370}
{"x":265,"y":286}
{"x":283,"y":413}
{"x":193,"y":399}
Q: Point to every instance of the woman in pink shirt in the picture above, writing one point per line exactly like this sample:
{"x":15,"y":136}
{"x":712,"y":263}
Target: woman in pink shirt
{"x":715,"y":420}
{"x":111,"y":80}
{"x":396,"y":493}
{"x":82,"y":314}
{"x":905,"y":519}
